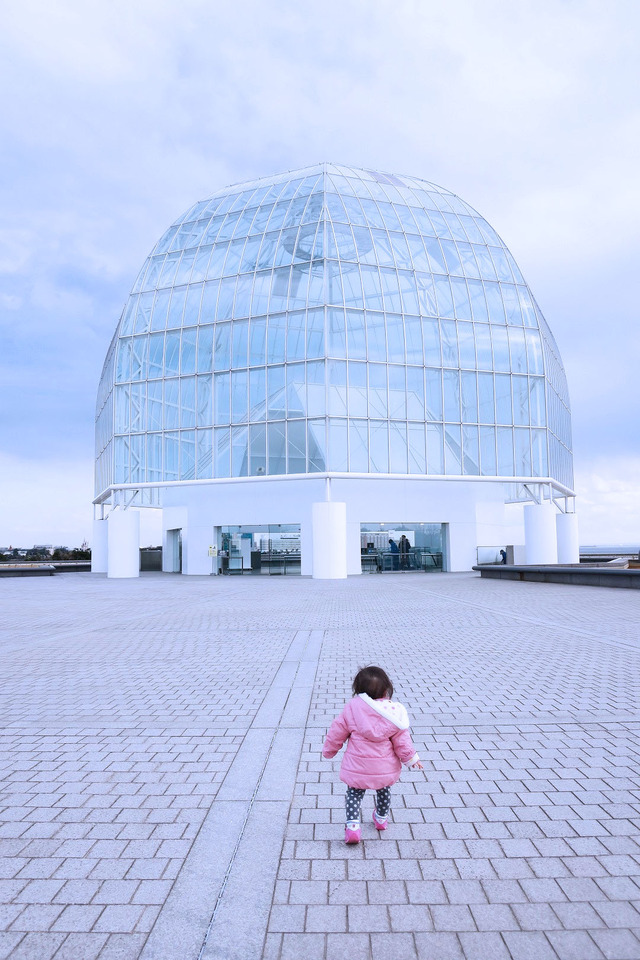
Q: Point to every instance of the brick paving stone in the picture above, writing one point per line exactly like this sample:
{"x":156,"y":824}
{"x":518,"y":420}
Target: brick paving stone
{"x":484,"y":946}
{"x":529,"y":808}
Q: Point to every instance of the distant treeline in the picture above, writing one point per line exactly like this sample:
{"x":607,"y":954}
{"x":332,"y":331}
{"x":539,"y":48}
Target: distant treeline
{"x":60,"y":553}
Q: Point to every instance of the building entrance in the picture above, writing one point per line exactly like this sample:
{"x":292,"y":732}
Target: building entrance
{"x":261,"y":549}
{"x":399,"y":547}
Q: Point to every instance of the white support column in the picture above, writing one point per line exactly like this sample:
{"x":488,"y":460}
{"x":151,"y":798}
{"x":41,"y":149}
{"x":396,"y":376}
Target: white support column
{"x":568,"y":541}
{"x":540,"y":542}
{"x":196,"y":541}
{"x":99,"y":546}
{"x":123,"y":559}
{"x":329,"y":521}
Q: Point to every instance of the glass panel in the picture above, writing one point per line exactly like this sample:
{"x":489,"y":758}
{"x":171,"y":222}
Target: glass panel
{"x":204,"y":452}
{"x":358,"y":446}
{"x":478,"y":301}
{"x":316,"y":446}
{"x":397,"y":392}
{"x":415,"y":393}
{"x":240,"y":336}
{"x":171,"y":456}
{"x":469,"y":396}
{"x":295,"y":390}
{"x":316,"y":403}
{"x":176,"y":306}
{"x":205,"y":349}
{"x":517,"y":350}
{"x":488,"y":461}
{"x":188,"y":351}
{"x":539,"y":453}
{"x":397,"y":447}
{"x":431,"y":333}
{"x":503,"y":399}
{"x":376,"y":337}
{"x":357,"y":393}
{"x":154,"y":405}
{"x":257,"y":450}
{"x":204,"y":408}
{"x":445,"y":299}
{"x":395,"y":338}
{"x":222,"y":452}
{"x":337,"y":388}
{"x":377,"y":390}
{"x":449,"y":343}
{"x":486,"y":410}
{"x":160,"y":310}
{"x":257,"y":341}
{"x":224,"y":310}
{"x":426,"y":294}
{"x":461,"y":301}
{"x":239,"y":451}
{"x":276,"y":335}
{"x":470,"y":449}
{"x":451,"y":385}
{"x":338,"y":446}
{"x":520,"y":387}
{"x":239,"y":397}
{"x":315,"y":333}
{"x":434,"y":394}
{"x":501,"y":359}
{"x":221,"y":407}
{"x":452,"y":449}
{"x":257,"y":394}
{"x":277,"y":450}
{"x":296,"y":446}
{"x":435,"y":452}
{"x":523,"y":452}
{"x":390,"y":290}
{"x":505,"y":452}
{"x":379,"y":446}
{"x":172,"y":354}
{"x":222,"y":349}
{"x":156,"y":351}
{"x":534,"y":351}
{"x":417,"y":459}
{"x":337,"y":333}
{"x":209,"y":302}
{"x":187,"y":454}
{"x":122,"y":395}
{"x":413,"y":336}
{"x":276,"y":393}
{"x":536,"y":401}
{"x":242,"y":305}
{"x":188,"y":402}
{"x":154,"y":456}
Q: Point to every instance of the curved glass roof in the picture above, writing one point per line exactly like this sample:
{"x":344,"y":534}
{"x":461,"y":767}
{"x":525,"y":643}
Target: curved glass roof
{"x":331,"y":319}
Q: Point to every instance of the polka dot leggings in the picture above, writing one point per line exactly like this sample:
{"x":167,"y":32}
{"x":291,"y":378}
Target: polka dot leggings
{"x":354,"y":797}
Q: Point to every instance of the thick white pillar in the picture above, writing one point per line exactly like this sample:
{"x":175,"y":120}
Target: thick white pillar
{"x":540,"y":542}
{"x":329,"y":522}
{"x":124,"y":543}
{"x":568,"y":542}
{"x":99,"y":546}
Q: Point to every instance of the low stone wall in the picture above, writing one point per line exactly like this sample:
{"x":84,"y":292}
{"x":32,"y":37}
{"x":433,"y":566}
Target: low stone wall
{"x":578,"y":574}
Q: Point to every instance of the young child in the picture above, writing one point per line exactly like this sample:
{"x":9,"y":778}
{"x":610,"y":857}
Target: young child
{"x":379,"y":743}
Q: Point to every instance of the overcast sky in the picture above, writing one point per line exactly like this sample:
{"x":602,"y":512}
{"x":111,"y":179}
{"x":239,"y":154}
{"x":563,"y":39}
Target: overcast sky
{"x":117,"y":116}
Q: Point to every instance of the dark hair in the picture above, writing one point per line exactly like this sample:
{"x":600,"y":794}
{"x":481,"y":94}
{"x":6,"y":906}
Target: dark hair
{"x":374,"y":682}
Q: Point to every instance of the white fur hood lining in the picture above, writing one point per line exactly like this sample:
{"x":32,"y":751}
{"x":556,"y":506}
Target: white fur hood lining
{"x":395,"y":713}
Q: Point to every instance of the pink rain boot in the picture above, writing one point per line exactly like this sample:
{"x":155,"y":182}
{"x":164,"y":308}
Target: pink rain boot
{"x":352,"y":833}
{"x":379,"y":823}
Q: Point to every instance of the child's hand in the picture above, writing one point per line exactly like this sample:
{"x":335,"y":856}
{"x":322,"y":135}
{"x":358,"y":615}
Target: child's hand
{"x":416,"y":766}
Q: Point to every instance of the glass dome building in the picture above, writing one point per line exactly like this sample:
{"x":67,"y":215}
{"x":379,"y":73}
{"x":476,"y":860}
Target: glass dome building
{"x":343,"y":352}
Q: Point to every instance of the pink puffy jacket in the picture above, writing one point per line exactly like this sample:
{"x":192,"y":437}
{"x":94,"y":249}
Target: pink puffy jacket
{"x":379,"y":742}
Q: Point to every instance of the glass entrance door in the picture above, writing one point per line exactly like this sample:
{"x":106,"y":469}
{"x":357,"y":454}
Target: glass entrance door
{"x":261,"y":549}
{"x":396,"y":547}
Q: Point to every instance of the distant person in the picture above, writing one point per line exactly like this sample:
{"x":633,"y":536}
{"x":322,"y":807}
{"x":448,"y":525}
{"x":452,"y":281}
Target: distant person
{"x":379,"y":742}
{"x":393,"y":549}
{"x":503,"y":556}
{"x":404,"y":546}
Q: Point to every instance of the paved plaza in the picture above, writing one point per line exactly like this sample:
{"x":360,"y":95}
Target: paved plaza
{"x":163,"y":796}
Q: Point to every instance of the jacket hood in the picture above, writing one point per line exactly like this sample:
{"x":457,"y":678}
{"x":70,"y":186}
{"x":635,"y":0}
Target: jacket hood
{"x":395,"y":713}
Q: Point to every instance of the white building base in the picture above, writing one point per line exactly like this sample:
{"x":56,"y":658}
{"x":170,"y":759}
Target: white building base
{"x":100,"y":546}
{"x":540,"y":533}
{"x":123,"y":555}
{"x":568,"y":540}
